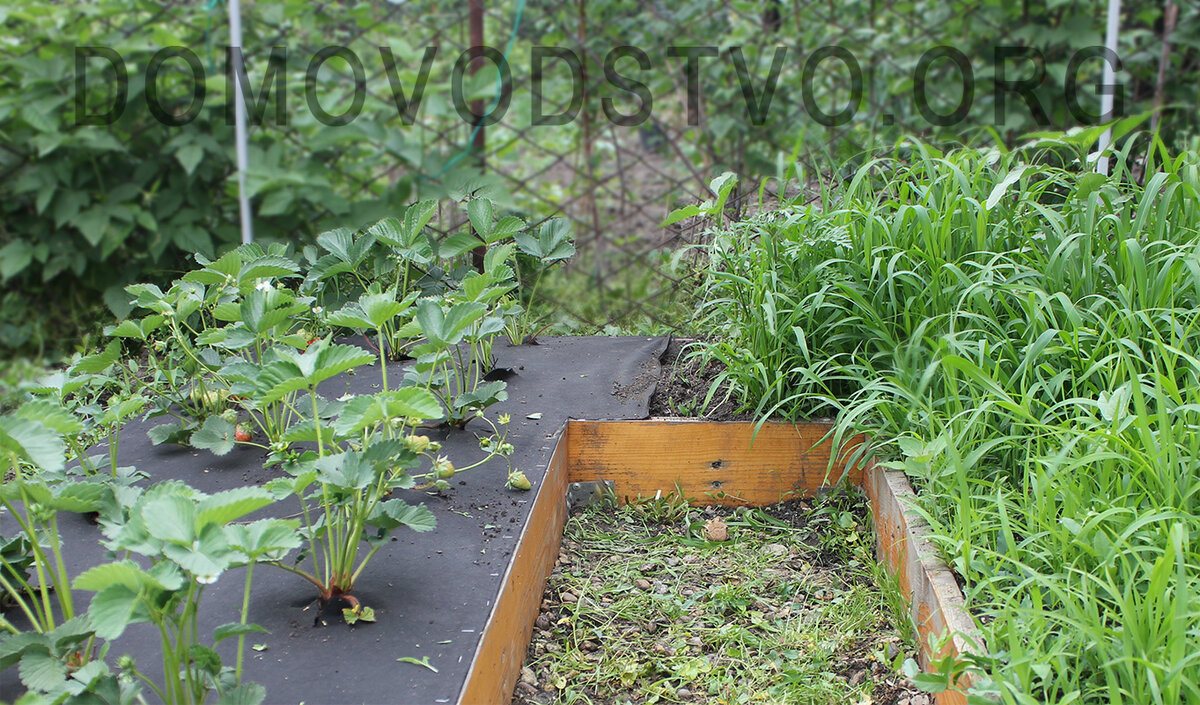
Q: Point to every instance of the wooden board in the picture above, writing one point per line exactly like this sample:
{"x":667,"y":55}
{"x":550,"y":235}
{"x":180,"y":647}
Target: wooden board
{"x":713,"y":463}
{"x":936,"y":605}
{"x":497,"y":663}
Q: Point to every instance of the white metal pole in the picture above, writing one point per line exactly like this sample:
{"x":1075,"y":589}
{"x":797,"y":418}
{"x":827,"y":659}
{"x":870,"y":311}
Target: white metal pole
{"x":1111,"y":38}
{"x":239,"y":117}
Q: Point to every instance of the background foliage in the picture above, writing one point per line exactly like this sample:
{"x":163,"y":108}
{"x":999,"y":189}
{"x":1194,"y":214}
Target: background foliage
{"x":90,"y":208}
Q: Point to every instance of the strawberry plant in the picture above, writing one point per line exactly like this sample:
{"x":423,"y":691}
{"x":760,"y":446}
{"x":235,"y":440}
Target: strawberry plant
{"x":58,"y":655}
{"x":455,"y":356}
{"x":33,"y":452}
{"x":378,"y":311}
{"x":344,"y":501}
{"x":552,"y":244}
{"x":362,"y":456}
{"x":34,"y":503}
{"x":82,"y":389}
{"x":271,"y":386}
{"x":189,"y":540}
{"x":365,"y":452}
{"x":366,"y":449}
{"x":203,"y":333}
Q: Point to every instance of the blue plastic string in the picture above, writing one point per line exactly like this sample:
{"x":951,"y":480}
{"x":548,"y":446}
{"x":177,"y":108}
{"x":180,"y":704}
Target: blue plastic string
{"x":208,"y":10}
{"x":512,"y":39}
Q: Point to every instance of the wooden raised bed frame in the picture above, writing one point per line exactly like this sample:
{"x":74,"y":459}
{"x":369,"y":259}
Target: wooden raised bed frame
{"x":717,"y":463}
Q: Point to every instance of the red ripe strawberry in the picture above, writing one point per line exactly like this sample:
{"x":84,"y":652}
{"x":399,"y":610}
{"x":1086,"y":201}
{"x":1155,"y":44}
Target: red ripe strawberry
{"x":242,"y":434}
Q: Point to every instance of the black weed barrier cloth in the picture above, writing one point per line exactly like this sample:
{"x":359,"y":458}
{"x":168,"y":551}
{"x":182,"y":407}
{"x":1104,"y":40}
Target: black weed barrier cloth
{"x":432,"y":593}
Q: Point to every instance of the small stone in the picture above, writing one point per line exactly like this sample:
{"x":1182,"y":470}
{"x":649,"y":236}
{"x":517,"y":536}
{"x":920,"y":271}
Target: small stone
{"x":569,"y":597}
{"x":903,"y":701}
{"x":673,"y":561}
{"x":715,"y":530}
{"x":919,"y":699}
{"x":660,"y":587}
{"x":527,"y":688}
{"x":646,"y":567}
{"x":892,"y":651}
{"x":683,"y":693}
{"x":591,"y":646}
{"x":642,"y":584}
{"x":543,"y":621}
{"x":776,"y":550}
{"x":552,"y":647}
{"x":858,"y":677}
{"x":695,"y":641}
{"x":527,"y":676}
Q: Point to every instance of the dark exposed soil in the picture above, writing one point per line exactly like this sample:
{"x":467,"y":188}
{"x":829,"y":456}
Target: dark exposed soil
{"x":686,"y":380}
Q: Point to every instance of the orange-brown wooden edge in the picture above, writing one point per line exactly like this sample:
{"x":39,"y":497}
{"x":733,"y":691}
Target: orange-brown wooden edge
{"x":712,"y":463}
{"x":935,"y":602}
{"x":501,"y":651}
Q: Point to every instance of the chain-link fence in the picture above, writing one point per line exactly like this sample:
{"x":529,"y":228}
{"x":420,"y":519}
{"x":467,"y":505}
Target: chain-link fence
{"x":610,"y":112}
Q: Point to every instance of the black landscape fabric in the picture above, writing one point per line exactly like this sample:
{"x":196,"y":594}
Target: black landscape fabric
{"x":432,"y":593}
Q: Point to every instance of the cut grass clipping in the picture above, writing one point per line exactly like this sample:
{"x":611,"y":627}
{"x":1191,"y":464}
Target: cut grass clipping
{"x":642,"y":608}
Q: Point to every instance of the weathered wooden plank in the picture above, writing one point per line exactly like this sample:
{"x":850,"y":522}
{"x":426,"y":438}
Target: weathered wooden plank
{"x":713,"y":463}
{"x":936,"y":605}
{"x":497,"y":663}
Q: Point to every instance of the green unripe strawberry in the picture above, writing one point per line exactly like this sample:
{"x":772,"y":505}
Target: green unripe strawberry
{"x":518,"y":481}
{"x":416,"y":443}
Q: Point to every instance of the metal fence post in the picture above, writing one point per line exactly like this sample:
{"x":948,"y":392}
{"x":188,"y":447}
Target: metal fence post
{"x":1111,"y":40}
{"x":479,"y":143}
{"x":239,"y":116}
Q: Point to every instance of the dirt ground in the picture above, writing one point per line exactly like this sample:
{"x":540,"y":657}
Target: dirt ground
{"x":642,"y":607}
{"x":685,"y":383}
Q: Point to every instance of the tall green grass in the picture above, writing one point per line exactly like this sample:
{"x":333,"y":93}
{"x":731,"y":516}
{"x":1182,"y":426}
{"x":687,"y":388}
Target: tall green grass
{"x":1022,"y":336}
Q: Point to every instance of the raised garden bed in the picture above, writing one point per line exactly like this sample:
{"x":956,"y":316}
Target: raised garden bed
{"x":737,"y":464}
{"x":432,"y":592}
{"x":661,"y":602}
{"x":465,"y":598}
